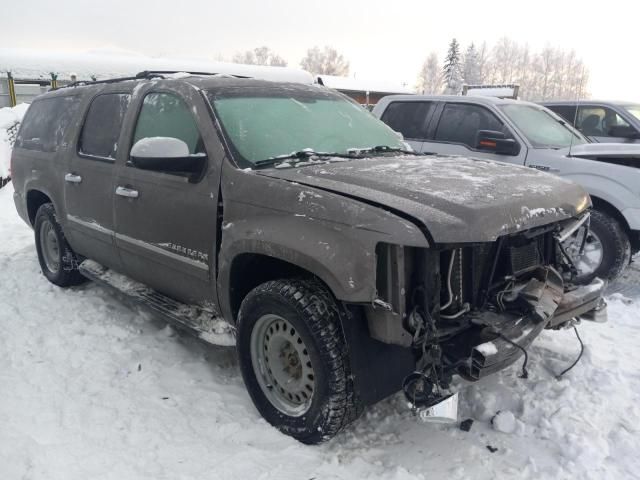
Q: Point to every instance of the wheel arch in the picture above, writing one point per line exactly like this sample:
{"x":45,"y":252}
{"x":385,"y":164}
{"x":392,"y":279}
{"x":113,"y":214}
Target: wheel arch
{"x":35,"y":199}
{"x":608,"y":208}
{"x":250,"y":269}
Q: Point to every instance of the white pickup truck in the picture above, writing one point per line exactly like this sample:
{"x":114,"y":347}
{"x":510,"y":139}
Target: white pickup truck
{"x":528,"y":134}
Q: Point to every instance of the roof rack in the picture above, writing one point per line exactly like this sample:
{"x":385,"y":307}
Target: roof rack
{"x":145,"y":74}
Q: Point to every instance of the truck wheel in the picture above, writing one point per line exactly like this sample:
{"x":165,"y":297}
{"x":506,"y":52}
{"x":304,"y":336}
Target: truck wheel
{"x":57,"y":261}
{"x":607,"y":249}
{"x":294,"y":360}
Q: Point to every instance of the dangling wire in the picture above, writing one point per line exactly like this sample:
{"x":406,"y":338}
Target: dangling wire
{"x":525,"y":373}
{"x":579,"y":355}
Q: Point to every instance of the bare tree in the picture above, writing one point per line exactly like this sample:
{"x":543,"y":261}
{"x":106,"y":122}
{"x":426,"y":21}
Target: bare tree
{"x":325,"y":61}
{"x":260,"y":56}
{"x":551,"y":73}
{"x":471,"y":66}
{"x":430,"y":77}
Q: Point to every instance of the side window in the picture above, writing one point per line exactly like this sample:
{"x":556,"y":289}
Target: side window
{"x":46,"y":123}
{"x":101,"y":128}
{"x":167,"y":115}
{"x":598,"y":121}
{"x":408,"y":118}
{"x":460,"y":123}
{"x":568,"y":112}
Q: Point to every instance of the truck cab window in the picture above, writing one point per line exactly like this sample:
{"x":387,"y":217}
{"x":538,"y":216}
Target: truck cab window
{"x":460,"y":123}
{"x":408,"y":118}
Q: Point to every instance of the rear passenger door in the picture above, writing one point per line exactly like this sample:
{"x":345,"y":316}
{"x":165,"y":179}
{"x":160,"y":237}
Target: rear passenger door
{"x":411,"y":119}
{"x":166,"y":222}
{"x":89,"y":179}
{"x":457,"y":128}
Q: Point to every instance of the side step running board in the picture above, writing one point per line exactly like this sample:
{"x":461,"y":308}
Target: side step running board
{"x":198,"y":320}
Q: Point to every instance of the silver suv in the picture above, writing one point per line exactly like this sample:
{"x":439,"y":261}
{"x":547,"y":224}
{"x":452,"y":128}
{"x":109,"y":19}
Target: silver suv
{"x":528,"y":134}
{"x":603,"y":122}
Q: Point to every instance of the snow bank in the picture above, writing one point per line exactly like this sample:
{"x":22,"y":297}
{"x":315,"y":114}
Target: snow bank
{"x":93,"y":388}
{"x":10,"y":118}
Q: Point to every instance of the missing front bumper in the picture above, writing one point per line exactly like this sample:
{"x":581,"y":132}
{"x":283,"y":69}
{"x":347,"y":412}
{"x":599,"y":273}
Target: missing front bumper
{"x":488,"y":346}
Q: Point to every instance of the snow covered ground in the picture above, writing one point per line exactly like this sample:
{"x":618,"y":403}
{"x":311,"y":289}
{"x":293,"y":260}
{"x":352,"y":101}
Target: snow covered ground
{"x":9,"y":119}
{"x":91,"y":388}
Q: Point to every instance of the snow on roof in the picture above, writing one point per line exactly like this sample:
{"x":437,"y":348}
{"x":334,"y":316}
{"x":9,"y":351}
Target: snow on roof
{"x":357,"y":85}
{"x":38,"y":64}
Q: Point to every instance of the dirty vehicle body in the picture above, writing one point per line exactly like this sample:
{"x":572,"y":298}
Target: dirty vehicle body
{"x":340,"y":274}
{"x":524,"y":133}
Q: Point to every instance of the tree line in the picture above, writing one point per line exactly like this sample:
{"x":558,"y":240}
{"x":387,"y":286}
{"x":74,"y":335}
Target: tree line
{"x":549,"y":73}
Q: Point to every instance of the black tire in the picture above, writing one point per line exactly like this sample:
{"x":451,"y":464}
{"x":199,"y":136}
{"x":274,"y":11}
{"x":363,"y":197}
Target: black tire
{"x":616,"y":247}
{"x":67,"y":273}
{"x":313,"y":312}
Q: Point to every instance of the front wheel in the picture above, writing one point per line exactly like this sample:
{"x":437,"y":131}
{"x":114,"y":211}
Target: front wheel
{"x":293,"y":359}
{"x":606,"y":250}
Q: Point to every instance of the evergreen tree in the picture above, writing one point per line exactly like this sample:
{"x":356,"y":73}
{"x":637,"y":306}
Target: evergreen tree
{"x":452,"y":69}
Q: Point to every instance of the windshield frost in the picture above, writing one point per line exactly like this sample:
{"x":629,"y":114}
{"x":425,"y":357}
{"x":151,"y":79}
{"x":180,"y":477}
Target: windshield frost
{"x":541,"y":128}
{"x":281,"y":121}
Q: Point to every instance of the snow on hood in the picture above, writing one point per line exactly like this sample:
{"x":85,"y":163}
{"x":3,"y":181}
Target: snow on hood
{"x":455,"y":198}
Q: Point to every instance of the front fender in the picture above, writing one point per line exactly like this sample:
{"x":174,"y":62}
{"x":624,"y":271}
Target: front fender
{"x":618,"y":187}
{"x":324,"y":233}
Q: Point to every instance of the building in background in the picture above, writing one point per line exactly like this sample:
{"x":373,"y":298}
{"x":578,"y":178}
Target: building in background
{"x":365,"y":92}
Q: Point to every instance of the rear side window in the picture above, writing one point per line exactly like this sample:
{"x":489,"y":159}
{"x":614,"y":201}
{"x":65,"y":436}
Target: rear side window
{"x":408,"y":118}
{"x":102,"y":125}
{"x":46,"y":123}
{"x":166,"y":115}
{"x":460,"y":123}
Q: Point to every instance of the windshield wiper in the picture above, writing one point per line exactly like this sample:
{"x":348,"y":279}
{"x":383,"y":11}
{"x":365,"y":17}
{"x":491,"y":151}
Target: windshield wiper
{"x":299,"y":156}
{"x":382,"y":149}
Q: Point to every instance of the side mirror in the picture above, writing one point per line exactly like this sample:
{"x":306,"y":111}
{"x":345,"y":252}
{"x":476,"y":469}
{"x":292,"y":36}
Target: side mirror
{"x":166,"y":154}
{"x":624,"y":131}
{"x":496,"y":142}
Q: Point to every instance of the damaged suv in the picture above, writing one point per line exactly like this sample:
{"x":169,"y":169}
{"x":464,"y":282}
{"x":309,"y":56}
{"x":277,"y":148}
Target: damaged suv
{"x":287,"y":219}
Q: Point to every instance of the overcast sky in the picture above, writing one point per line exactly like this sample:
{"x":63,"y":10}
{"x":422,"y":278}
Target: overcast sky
{"x":381,"y":39}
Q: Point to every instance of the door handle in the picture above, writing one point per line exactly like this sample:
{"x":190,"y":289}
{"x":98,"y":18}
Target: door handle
{"x":126,"y":192}
{"x":72,"y":178}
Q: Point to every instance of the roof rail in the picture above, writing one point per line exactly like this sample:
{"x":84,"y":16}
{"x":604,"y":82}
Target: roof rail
{"x":145,"y":74}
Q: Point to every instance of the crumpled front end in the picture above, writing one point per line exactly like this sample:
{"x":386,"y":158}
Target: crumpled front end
{"x":474,"y":309}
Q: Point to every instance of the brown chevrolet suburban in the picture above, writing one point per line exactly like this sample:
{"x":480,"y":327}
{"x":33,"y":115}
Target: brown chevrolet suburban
{"x":287,"y":219}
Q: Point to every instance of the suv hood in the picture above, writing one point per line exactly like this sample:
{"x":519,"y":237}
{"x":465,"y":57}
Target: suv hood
{"x":455,"y":198}
{"x":605,"y":150}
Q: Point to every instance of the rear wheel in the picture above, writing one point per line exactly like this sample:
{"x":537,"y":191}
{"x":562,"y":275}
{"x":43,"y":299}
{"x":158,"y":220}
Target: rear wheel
{"x":57,"y":261}
{"x":606,"y":252}
{"x":293,"y":359}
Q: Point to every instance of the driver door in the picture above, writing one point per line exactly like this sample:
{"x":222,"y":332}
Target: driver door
{"x":166,"y":222}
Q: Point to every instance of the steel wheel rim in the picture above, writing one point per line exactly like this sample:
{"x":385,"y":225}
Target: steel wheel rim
{"x":49,"y":246}
{"x":591,"y":257}
{"x":282,"y":365}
